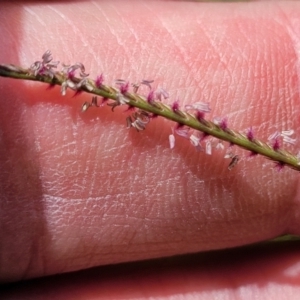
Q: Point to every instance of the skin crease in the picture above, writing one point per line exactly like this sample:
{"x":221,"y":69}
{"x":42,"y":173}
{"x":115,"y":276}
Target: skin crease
{"x":79,"y":191}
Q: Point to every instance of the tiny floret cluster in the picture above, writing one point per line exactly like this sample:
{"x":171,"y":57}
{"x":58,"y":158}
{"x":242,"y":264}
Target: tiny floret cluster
{"x":278,"y":137}
{"x":71,"y":81}
{"x":45,"y":67}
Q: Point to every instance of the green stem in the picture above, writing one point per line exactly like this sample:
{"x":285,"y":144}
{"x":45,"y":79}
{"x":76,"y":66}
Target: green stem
{"x":286,"y":237}
{"x":280,"y":156}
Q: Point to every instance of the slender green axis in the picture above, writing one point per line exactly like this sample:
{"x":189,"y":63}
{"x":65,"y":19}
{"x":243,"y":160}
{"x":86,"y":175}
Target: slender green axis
{"x":155,"y":107}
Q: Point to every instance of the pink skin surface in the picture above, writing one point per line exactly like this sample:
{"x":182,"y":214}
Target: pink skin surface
{"x":81,"y":190}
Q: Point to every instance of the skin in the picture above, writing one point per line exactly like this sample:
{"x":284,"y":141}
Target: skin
{"x":81,"y":190}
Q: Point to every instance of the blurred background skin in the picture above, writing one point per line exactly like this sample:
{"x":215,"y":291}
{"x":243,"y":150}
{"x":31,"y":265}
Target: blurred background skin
{"x":79,"y":191}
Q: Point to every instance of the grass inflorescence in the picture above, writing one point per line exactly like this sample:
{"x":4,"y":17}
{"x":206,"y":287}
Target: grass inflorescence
{"x":191,"y":121}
